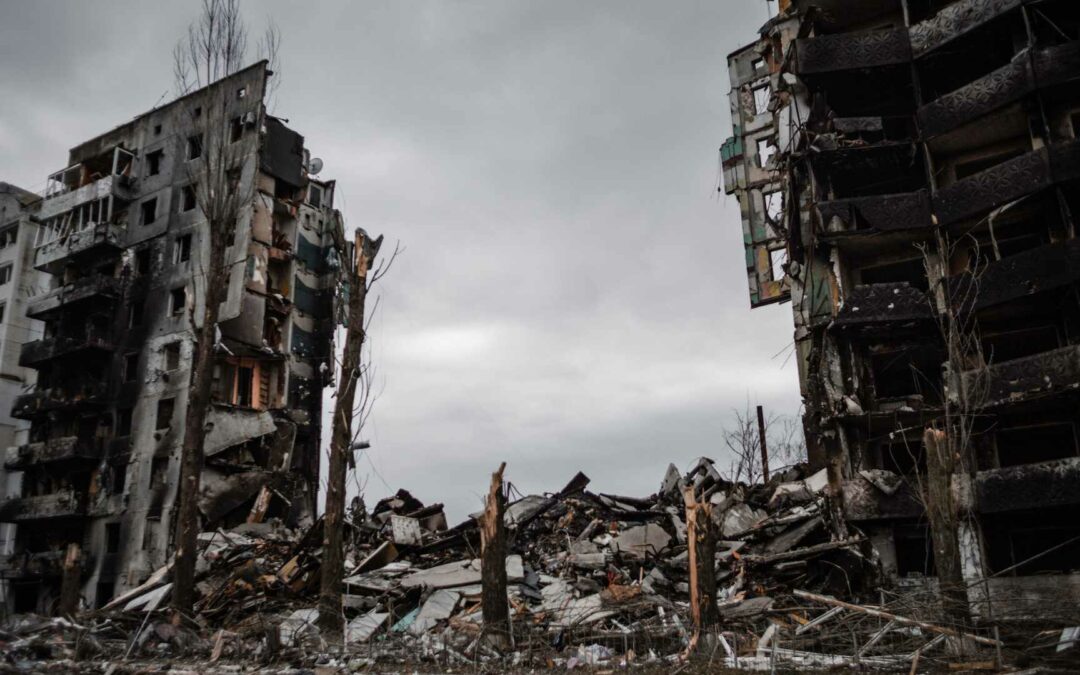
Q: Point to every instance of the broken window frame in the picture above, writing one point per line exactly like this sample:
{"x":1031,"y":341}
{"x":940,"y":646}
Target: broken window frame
{"x":182,"y":249}
{"x":153,"y":162}
{"x":6,"y":272}
{"x":177,"y":301}
{"x":760,"y":94}
{"x":166,"y":410}
{"x":148,"y":211}
{"x":194,"y":147}
{"x":188,"y":198}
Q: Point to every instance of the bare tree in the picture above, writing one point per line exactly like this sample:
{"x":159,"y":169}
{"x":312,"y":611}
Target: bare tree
{"x":783,"y":435}
{"x":214,"y":48}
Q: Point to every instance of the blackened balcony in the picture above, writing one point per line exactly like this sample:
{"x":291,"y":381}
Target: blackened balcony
{"x":1010,"y":180}
{"x":872,"y":308}
{"x":850,"y":51}
{"x":92,"y":241}
{"x":35,"y":353}
{"x":69,"y":398}
{"x":53,"y":451}
{"x":882,"y":213}
{"x":1046,"y":67}
{"x":1034,"y":271}
{"x":955,"y":20}
{"x":96,"y":287}
{"x":1054,"y":372}
{"x":63,"y":504}
{"x":1028,"y":486}
{"x":43,"y":564}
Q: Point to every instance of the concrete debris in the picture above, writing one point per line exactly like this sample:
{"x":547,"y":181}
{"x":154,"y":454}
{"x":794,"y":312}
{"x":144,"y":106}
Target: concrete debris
{"x":599,"y":581}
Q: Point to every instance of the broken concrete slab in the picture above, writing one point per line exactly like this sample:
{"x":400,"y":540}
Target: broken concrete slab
{"x":460,"y":573}
{"x":364,"y":626}
{"x":642,"y":541}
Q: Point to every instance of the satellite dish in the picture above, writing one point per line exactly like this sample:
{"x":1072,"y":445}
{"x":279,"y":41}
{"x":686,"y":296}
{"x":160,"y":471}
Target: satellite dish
{"x":315,"y":167}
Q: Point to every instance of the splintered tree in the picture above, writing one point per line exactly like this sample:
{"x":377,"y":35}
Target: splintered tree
{"x":214,"y":48}
{"x":349,"y":412}
{"x":493,"y":564}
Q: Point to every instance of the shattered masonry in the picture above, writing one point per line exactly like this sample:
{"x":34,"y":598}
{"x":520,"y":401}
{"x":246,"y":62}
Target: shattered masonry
{"x":865,"y":134}
{"x":121,"y":241}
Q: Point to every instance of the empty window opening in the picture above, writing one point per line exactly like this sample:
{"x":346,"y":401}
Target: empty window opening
{"x":142,"y":261}
{"x":172,"y":356}
{"x":194,"y":146}
{"x":164,"y":413}
{"x":244,"y":386}
{"x":1016,"y":344}
{"x":182,"y":249}
{"x":777,"y":259}
{"x":774,"y":205}
{"x":187,"y":198}
{"x":135,"y":313}
{"x":974,"y":166}
{"x":123,"y":422}
{"x":118,"y":478}
{"x":1030,"y":444}
{"x":159,"y":469}
{"x":8,"y":237}
{"x":198,"y":111}
{"x":5,"y":275}
{"x":765,"y":150}
{"x":149,"y":211}
{"x":112,"y":537}
{"x":236,"y":129}
{"x":1015,"y":538}
{"x":907,"y":373}
{"x":914,"y":551}
{"x":241,"y":92}
{"x":3,"y":311}
{"x":761,"y":99}
{"x":903,"y":458}
{"x":131,"y":366}
{"x":912,"y":271}
{"x":177,"y":301}
{"x":157,"y":129}
{"x":150,"y":530}
{"x":315,"y":195}
{"x":153,"y":162}
{"x":757,"y":65}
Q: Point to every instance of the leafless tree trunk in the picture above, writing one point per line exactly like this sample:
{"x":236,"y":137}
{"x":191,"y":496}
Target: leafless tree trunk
{"x":701,"y":546}
{"x":330,"y":614}
{"x":944,"y":525}
{"x":493,"y":564}
{"x":215,"y":48}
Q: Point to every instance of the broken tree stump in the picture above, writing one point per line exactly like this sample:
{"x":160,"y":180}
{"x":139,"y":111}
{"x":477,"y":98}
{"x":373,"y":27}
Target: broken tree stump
{"x":945,"y":525}
{"x":493,"y":564}
{"x":69,"y":583}
{"x":701,"y":546}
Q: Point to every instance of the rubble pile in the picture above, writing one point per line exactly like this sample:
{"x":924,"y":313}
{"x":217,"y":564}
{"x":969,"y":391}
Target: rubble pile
{"x":594,"y":580}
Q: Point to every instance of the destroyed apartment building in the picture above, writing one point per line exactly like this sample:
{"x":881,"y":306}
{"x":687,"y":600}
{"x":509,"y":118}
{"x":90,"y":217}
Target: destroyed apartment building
{"x":122,"y":243}
{"x":908,"y":175}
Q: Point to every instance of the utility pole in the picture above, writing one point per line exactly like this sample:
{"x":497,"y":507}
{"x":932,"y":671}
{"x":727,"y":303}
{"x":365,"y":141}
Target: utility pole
{"x":333,"y":554}
{"x":764,"y":448}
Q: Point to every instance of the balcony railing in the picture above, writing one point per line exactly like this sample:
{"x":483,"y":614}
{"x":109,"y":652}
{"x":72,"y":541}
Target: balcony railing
{"x":56,"y":450}
{"x":64,"y":504}
{"x":904,"y":211}
{"x":850,"y":51}
{"x":1034,"y":271}
{"x":869,"y":305}
{"x":120,"y":187}
{"x":1027,"y":486}
{"x":93,"y":239}
{"x":1053,"y":372}
{"x":31,"y":405}
{"x":39,"y":351}
{"x":96,"y":286}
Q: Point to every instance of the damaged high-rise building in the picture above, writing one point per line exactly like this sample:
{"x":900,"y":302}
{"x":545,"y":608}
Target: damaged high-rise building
{"x":908,"y":174}
{"x":123,"y":240}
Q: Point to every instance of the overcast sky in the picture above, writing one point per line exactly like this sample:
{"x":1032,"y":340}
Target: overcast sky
{"x":572,"y":293}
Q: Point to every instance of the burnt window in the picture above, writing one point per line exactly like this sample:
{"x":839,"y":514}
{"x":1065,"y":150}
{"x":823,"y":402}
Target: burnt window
{"x":1035,"y":542}
{"x":5,"y":274}
{"x":164,"y":413}
{"x":177,"y":301}
{"x":159,"y":467}
{"x":135,"y":313}
{"x":112,"y":537}
{"x":157,"y":129}
{"x":182,"y":249}
{"x":912,"y":271}
{"x":1016,"y":344}
{"x":123,"y":422}
{"x":198,"y":111}
{"x":131,"y":366}
{"x":914,"y":552}
{"x":118,"y":477}
{"x":244,"y":386}
{"x":148,"y":210}
{"x":777,"y":259}
{"x":142,"y":261}
{"x":905,"y":373}
{"x":172,"y":356}
{"x":1030,"y":444}
{"x":153,"y":162}
{"x":974,"y":166}
{"x":194,"y":146}
{"x":236,"y":129}
{"x":187,"y":198}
